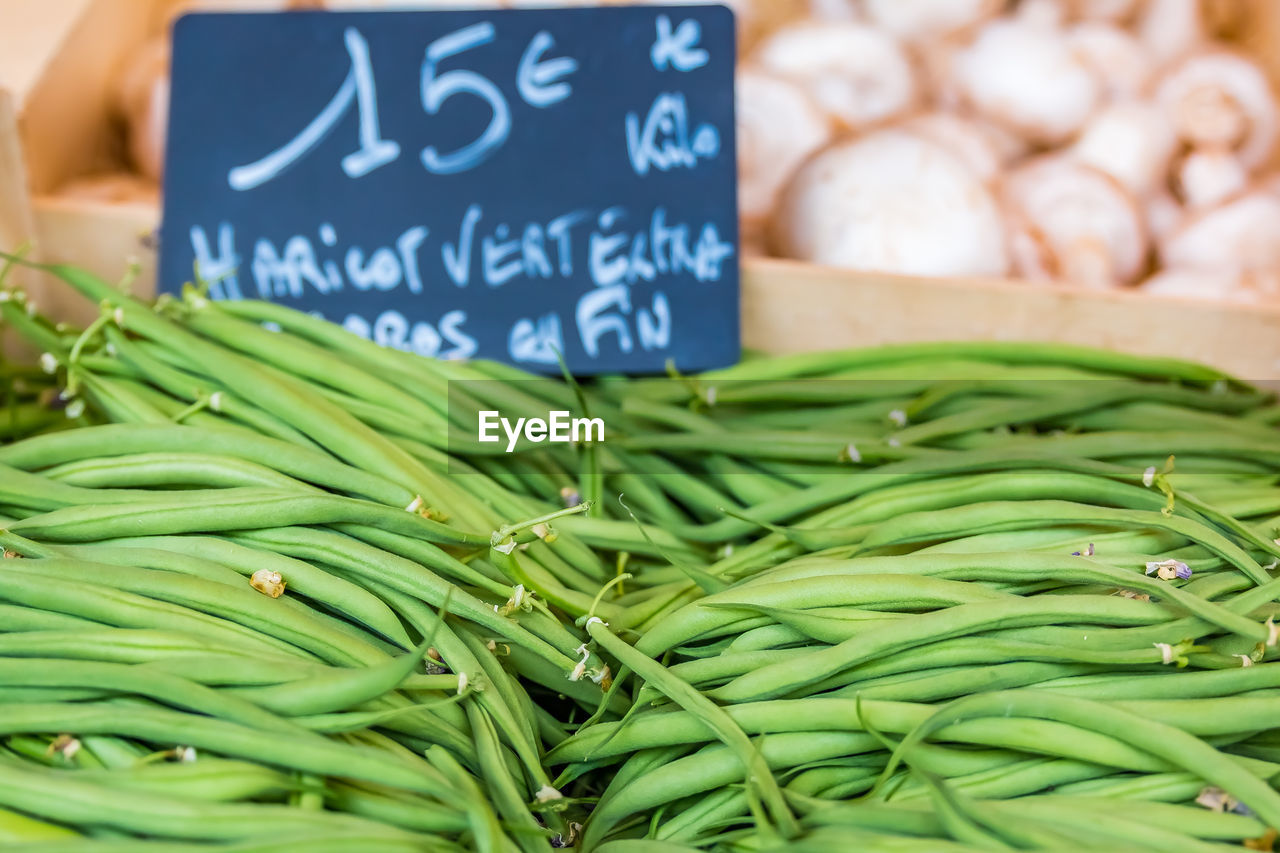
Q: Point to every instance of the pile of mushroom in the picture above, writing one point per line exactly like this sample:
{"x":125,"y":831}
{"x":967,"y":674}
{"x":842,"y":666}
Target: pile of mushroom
{"x":1098,"y":143}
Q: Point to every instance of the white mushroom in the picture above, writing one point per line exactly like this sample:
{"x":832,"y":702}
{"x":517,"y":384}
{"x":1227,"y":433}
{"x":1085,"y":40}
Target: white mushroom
{"x":1022,"y":73}
{"x":921,"y":20}
{"x":1042,"y":14}
{"x":778,"y":127}
{"x":1209,"y":176}
{"x":834,"y":10}
{"x":1221,"y":99}
{"x":1171,"y":28}
{"x":1162,"y":213}
{"x":1115,"y":56}
{"x":983,"y":148}
{"x":1110,"y":11}
{"x":892,"y":202}
{"x":1242,"y":235}
{"x":936,"y":65}
{"x":1270,"y":183}
{"x":1133,"y":142}
{"x":1071,"y":222}
{"x":858,"y":74}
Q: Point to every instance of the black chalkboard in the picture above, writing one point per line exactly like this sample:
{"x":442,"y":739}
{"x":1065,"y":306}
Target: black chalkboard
{"x":492,"y":184}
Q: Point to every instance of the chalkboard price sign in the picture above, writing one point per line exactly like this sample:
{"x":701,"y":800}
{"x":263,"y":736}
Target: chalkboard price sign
{"x":506,"y":184}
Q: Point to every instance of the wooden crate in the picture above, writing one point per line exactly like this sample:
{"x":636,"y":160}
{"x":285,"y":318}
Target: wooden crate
{"x":794,"y":307}
{"x":59,"y":57}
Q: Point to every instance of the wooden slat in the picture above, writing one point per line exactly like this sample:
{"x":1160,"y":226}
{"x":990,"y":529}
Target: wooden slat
{"x":67,"y":125}
{"x":104,"y":238}
{"x":32,"y":36}
{"x":16,"y":223}
{"x":793,"y":307}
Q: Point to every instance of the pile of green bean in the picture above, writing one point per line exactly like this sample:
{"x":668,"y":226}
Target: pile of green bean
{"x":29,"y":402}
{"x":264,"y":592}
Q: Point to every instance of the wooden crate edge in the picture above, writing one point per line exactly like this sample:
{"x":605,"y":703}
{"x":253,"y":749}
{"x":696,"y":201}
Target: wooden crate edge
{"x":794,"y":307}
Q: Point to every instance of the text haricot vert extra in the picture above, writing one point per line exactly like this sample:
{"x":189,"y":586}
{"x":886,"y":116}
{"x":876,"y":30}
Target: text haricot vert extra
{"x":559,"y":427}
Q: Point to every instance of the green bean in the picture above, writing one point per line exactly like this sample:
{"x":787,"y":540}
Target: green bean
{"x":886,"y":591}
{"x":170,"y":469}
{"x":783,"y":677}
{"x":125,"y":645}
{"x":486,"y":833}
{"x":184,"y":384}
{"x":119,"y":401}
{"x":929,"y":685}
{"x":515,"y":700}
{"x":20,"y":419}
{"x":1154,"y":447}
{"x":1014,"y":779}
{"x":1093,"y":397}
{"x":335,"y":593}
{"x":309,"y":361}
{"x":1196,"y":822}
{"x":125,"y":439}
{"x":356,"y":559}
{"x":1166,"y":741}
{"x":207,"y":779}
{"x":336,"y":690}
{"x":752,"y":764}
{"x":18,"y":618}
{"x":231,"y":509}
{"x":1165,"y":787}
{"x":825,"y":716}
{"x":302,"y":751}
{"x":112,"y":677}
{"x":458,"y":656}
{"x":31,"y":491}
{"x":152,"y":558}
{"x":999,"y":516}
{"x":345,"y":842}
{"x":109,"y":606}
{"x":715,"y":765}
{"x":21,"y":695}
{"x":325,"y":423}
{"x":1065,"y":568}
{"x":501,"y":787}
{"x":300,"y":627}
{"x":706,"y":811}
{"x":834,"y":546}
{"x":1189,"y":685}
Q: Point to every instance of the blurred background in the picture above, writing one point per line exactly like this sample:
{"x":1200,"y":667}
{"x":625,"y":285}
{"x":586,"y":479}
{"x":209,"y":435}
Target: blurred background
{"x":1086,"y":144}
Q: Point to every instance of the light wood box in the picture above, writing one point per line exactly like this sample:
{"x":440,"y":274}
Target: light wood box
{"x":58,"y":58}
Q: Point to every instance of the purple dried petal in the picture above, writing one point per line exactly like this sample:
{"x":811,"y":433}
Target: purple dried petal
{"x":1169,"y":569}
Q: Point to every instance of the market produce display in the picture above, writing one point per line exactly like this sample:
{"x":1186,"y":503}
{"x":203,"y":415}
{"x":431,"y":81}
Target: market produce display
{"x":262,"y":591}
{"x":1101,"y":145}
